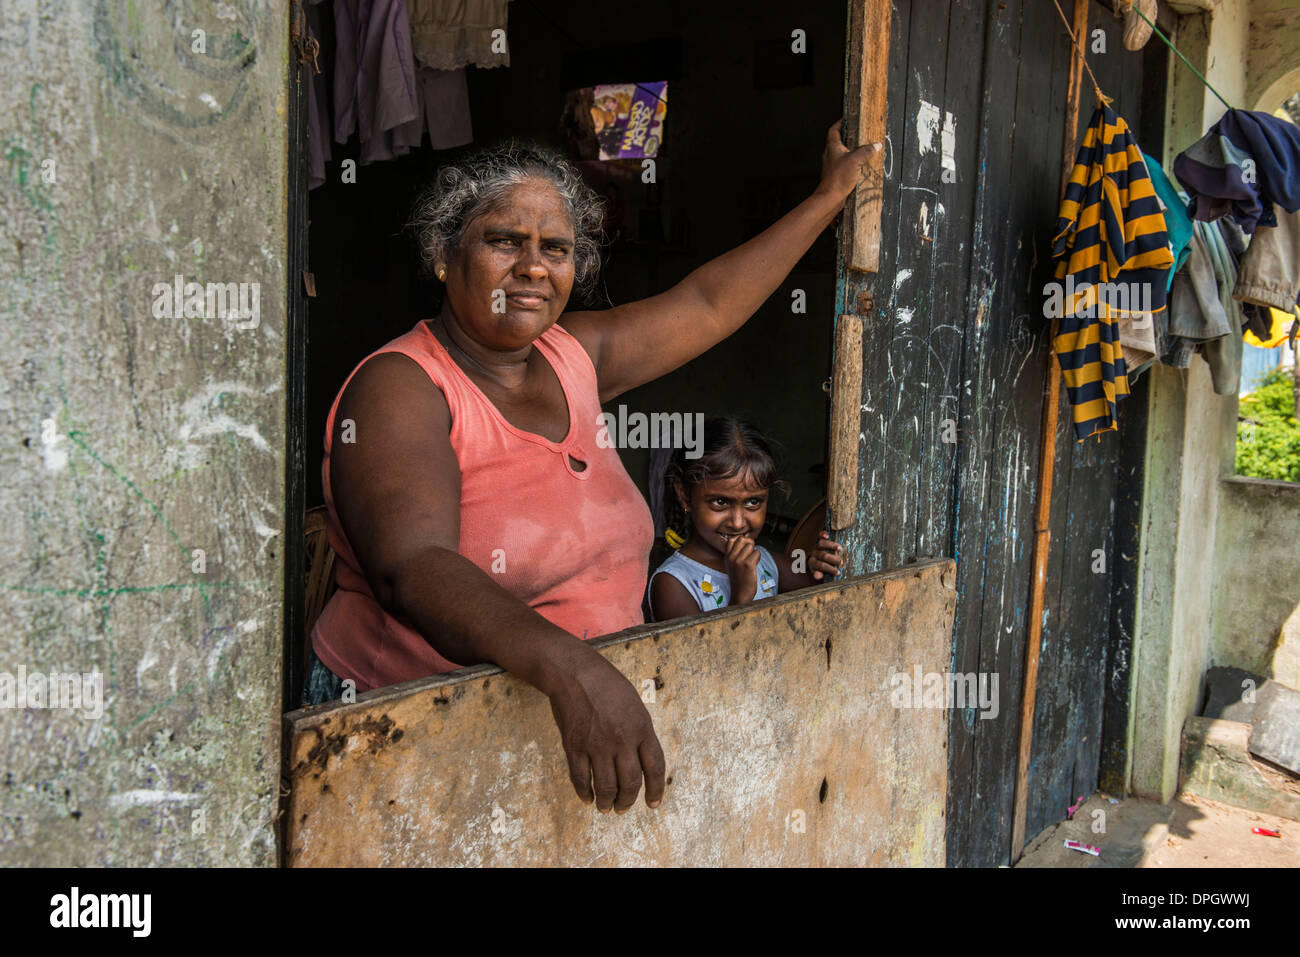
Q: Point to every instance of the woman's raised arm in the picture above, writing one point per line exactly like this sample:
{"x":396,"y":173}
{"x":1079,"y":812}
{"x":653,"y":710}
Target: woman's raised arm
{"x":397,"y":492}
{"x":640,"y":341}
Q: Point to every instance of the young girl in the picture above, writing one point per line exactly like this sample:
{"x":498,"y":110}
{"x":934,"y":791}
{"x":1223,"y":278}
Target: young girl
{"x":720,"y":501}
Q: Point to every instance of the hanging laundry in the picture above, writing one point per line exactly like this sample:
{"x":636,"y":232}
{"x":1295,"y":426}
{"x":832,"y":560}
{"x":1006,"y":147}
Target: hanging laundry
{"x":1196,"y":313}
{"x":1270,"y":270}
{"x":1112,"y":250}
{"x":444,"y":111}
{"x":1233,"y":236}
{"x":1137,"y":339}
{"x":1138,"y":335}
{"x":318,"y":119}
{"x":1245,"y":163}
{"x":450,"y":34}
{"x":375,"y":89}
{"x":1191,"y":288}
{"x":1256,"y":323}
{"x":1174,"y":207}
{"x":1267,"y":328}
{"x":1223,"y":354}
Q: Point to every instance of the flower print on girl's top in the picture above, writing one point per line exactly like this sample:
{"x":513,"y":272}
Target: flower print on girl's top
{"x":706,"y":586}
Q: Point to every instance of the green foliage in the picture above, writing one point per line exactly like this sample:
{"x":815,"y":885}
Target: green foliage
{"x":1269,"y":445}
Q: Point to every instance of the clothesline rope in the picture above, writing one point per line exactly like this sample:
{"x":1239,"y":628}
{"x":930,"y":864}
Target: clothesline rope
{"x":1169,"y":44}
{"x":1082,"y":56}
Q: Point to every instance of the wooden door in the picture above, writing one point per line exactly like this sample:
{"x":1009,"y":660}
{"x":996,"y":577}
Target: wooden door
{"x":943,"y":449}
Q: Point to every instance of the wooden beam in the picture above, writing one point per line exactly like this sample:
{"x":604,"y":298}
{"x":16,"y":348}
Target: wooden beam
{"x":869,"y":41}
{"x":846,"y":423}
{"x":1046,"y":474}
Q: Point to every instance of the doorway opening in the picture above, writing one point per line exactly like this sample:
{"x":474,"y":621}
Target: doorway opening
{"x":745,"y":128}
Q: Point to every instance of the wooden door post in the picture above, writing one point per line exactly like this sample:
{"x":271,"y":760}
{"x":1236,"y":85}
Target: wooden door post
{"x":1046,"y":469}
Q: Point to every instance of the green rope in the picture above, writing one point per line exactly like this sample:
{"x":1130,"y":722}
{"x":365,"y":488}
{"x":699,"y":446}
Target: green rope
{"x":1181,"y":57}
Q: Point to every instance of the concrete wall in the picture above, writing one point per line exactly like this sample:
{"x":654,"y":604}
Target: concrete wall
{"x":1185,"y":459}
{"x":1204,"y":532}
{"x":1257,"y":571}
{"x":1190,"y":440}
{"x":1273,"y":67}
{"x":131,"y":439}
{"x":1228,"y":62}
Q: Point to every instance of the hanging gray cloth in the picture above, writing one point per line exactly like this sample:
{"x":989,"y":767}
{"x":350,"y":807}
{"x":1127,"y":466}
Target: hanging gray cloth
{"x":1224,"y":354}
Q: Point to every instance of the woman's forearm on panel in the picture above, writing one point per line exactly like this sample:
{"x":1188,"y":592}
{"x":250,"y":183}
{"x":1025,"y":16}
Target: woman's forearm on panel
{"x":738,"y":282}
{"x":468,"y":618}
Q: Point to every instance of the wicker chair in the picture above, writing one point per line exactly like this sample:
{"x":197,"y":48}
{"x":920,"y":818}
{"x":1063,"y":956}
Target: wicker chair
{"x":320,"y":575}
{"x":809,"y":529}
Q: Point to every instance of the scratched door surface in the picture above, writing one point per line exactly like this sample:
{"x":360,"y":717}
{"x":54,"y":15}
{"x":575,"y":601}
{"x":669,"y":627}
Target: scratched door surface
{"x":955,"y":346}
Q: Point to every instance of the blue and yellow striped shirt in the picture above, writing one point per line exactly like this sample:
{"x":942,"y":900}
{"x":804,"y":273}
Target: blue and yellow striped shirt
{"x":1112,"y":251}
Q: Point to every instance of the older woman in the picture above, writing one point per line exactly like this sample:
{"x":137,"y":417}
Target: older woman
{"x":475,"y":516}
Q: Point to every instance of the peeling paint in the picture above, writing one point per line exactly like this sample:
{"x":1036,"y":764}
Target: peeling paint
{"x":949,"y":139}
{"x":927,"y":125}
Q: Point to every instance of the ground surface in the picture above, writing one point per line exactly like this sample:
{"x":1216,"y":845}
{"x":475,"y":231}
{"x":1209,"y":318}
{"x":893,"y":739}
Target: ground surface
{"x":1189,"y":832}
{"x":1204,"y":833}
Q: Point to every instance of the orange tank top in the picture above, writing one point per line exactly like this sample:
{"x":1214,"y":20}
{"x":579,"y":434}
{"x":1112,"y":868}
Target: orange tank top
{"x":572,"y":545}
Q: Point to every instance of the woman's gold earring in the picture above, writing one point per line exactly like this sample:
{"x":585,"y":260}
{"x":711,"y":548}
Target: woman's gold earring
{"x":442,"y":275}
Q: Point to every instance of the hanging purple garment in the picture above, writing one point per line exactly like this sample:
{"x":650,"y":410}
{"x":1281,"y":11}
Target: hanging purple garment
{"x":444,"y":102}
{"x":348,"y":39}
{"x":387,"y":96}
{"x":374,"y":80}
{"x":318,"y":121}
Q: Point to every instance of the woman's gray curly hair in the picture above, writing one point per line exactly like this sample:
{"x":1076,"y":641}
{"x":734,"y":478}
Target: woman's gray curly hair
{"x":481,"y":182}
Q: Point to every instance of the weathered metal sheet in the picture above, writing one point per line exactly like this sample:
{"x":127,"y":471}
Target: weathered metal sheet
{"x":777,"y":720}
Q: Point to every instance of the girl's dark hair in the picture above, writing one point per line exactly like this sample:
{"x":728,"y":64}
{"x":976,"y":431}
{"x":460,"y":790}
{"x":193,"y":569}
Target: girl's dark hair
{"x":731,"y":447}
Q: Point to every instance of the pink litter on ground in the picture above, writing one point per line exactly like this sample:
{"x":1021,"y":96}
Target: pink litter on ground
{"x":1069,"y":811}
{"x":1085,"y":848}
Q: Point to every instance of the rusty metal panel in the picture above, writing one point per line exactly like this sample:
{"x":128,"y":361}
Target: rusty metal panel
{"x":783,"y":748}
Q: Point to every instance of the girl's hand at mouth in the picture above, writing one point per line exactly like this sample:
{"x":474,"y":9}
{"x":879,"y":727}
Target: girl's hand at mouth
{"x":742,"y":569}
